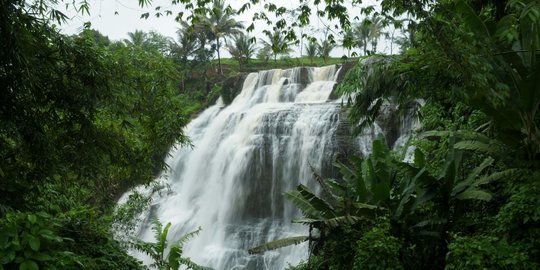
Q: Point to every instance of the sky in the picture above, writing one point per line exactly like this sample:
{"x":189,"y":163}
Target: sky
{"x":115,"y":18}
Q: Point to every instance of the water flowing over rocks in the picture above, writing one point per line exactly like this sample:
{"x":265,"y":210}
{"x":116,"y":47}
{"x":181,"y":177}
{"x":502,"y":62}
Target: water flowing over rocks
{"x":244,"y":156}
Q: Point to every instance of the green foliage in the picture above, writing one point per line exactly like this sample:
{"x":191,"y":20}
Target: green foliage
{"x":31,"y":241}
{"x":81,"y":121}
{"x":295,"y":240}
{"x":311,"y":50}
{"x":276,"y":43}
{"x":519,"y":219}
{"x":378,"y":249}
{"x":241,"y":49}
{"x":38,"y":240}
{"x":156,"y":250}
{"x":486,"y":252}
{"x":324,"y":49}
{"x":220,"y":24}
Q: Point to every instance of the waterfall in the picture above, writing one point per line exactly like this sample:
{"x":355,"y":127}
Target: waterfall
{"x":244,"y":156}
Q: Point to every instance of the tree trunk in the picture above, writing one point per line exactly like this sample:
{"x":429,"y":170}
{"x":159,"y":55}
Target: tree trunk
{"x":219,"y":57}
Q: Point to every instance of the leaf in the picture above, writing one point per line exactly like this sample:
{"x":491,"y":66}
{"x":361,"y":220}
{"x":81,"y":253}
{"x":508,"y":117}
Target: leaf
{"x":475,"y":194}
{"x":419,"y":158}
{"x":43,"y":257}
{"x":295,"y":240}
{"x":32,"y":218}
{"x":33,"y":242}
{"x":191,"y":265}
{"x":186,"y":237}
{"x":472,"y":176}
{"x":309,"y":203}
{"x":472,"y":20}
{"x":28,"y":265}
{"x":496,"y":176}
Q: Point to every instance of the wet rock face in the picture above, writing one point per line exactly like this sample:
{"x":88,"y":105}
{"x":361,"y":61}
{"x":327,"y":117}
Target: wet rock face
{"x":345,"y":67}
{"x":304,"y":76}
{"x":389,"y":121}
{"x":231,"y":87}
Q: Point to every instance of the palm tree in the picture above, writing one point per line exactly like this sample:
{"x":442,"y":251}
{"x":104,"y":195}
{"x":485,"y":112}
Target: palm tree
{"x":311,"y":50}
{"x":137,"y":38}
{"x":349,"y":40}
{"x":325,"y":48}
{"x":241,"y":48}
{"x":276,"y":42}
{"x":187,"y":42}
{"x":377,"y":26}
{"x":369,"y":31}
{"x":363,"y":32}
{"x":221,"y":25}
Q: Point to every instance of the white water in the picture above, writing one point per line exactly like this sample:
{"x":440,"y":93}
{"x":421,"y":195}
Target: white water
{"x":244,"y":157}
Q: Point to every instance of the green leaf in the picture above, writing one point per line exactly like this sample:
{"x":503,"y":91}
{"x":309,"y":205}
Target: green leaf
{"x":472,"y":20}
{"x":311,"y":205}
{"x":475,"y":194}
{"x":419,"y":158}
{"x":472,"y":176}
{"x":43,"y":257}
{"x":33,"y":242}
{"x":28,"y":265}
{"x":295,"y":240}
{"x":32,"y":218}
{"x":474,"y":146}
{"x":7,"y":258}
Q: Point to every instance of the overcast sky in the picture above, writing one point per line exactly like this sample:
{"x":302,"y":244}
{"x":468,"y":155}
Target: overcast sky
{"x":115,"y":18}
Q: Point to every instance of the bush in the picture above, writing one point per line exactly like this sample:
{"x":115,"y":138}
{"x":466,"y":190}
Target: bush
{"x":485,"y":252}
{"x":378,"y":249}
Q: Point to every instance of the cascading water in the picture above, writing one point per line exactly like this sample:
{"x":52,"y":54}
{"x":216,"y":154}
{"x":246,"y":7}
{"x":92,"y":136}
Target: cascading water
{"x":244,"y":157}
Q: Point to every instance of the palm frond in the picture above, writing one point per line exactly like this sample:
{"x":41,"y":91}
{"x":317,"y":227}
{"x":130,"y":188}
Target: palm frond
{"x":284,"y":242}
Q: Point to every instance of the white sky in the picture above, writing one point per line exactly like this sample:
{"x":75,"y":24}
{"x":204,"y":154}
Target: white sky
{"x":103,"y":18}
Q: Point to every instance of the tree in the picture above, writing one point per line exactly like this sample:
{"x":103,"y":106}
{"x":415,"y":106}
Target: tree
{"x":363,"y":32}
{"x":325,"y":48}
{"x":376,"y":31}
{"x":221,"y":25}
{"x":276,"y":42}
{"x":311,"y":50}
{"x":349,"y":40}
{"x":368,"y":32}
{"x":138,"y":38}
{"x":241,"y":48}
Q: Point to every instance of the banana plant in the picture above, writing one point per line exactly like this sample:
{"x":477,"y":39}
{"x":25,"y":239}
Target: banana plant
{"x":381,"y":184}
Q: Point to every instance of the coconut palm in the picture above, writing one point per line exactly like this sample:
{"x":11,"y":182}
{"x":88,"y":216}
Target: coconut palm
{"x":241,"y":48}
{"x":221,"y":25}
{"x":311,"y":50}
{"x":277,"y":43}
{"x":368,"y":32}
{"x":137,"y":38}
{"x":376,"y":31}
{"x":325,"y":48}
{"x":363,"y":32}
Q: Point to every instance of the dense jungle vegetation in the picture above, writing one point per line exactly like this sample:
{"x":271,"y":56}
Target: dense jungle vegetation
{"x":84,"y":118}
